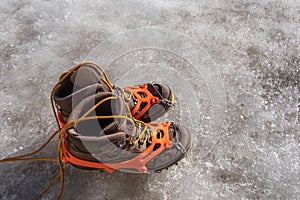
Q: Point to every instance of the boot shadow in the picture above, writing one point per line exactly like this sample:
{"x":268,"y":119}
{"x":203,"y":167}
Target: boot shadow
{"x":27,"y":179}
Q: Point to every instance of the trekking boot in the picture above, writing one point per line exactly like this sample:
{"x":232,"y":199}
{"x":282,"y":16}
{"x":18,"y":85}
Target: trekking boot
{"x":147,"y":102}
{"x":104,"y":136}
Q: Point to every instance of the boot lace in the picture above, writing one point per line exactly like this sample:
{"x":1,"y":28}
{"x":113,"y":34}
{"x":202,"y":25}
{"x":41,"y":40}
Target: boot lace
{"x":61,"y":131}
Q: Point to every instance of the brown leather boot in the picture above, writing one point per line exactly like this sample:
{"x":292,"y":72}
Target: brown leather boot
{"x":105,"y":136}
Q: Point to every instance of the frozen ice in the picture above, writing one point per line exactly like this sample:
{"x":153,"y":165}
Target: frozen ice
{"x":234,"y":67}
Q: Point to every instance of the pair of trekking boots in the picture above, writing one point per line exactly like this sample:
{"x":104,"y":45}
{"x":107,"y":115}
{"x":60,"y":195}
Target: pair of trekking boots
{"x":112,"y":128}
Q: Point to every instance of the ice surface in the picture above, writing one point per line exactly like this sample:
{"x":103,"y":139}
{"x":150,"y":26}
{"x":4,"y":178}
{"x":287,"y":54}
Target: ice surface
{"x":234,"y":66}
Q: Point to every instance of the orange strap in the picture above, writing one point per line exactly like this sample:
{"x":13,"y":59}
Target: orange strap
{"x":149,"y":99}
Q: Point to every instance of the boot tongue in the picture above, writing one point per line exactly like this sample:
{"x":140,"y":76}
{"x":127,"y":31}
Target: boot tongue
{"x":84,"y":76}
{"x":130,"y":101}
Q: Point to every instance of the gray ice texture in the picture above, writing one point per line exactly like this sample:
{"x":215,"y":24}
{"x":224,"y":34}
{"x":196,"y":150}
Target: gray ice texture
{"x":233,"y":64}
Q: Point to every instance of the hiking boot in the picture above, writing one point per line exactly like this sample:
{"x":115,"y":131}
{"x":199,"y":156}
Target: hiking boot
{"x":104,"y":136}
{"x":147,"y":102}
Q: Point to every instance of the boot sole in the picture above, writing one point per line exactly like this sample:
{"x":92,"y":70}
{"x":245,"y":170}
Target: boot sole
{"x":88,"y":169}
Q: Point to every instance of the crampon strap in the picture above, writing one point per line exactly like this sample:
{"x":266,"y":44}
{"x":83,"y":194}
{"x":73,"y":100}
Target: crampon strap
{"x":144,"y":99}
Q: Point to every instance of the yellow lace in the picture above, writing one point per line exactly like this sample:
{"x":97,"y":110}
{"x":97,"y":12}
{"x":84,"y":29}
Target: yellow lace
{"x":60,"y":132}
